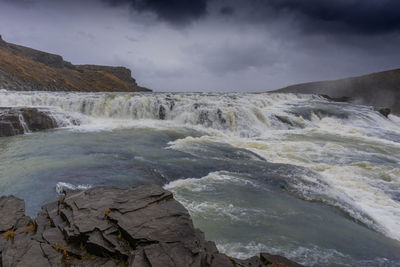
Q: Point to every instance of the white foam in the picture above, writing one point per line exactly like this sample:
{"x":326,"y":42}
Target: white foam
{"x":211,"y":183}
{"x":62,"y":186}
{"x":207,"y":183}
{"x":363,"y":195}
{"x":308,"y":256}
{"x":361,"y":189}
{"x":353,"y":185}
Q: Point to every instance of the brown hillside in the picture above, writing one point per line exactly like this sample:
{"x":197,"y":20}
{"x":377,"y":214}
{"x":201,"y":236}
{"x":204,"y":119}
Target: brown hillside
{"x":23,"y":68}
{"x":381,"y":89}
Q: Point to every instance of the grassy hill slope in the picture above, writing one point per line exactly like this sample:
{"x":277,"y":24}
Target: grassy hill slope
{"x":23,"y":68}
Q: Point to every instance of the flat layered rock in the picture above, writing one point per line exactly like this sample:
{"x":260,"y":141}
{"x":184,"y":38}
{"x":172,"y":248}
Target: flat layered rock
{"x":12,"y":209}
{"x":106,"y":226}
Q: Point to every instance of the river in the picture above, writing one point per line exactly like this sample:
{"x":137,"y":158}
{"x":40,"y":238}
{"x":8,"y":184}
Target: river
{"x":296,"y":175}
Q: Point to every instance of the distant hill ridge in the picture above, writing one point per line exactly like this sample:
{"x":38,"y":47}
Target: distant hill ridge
{"x":26,"y":69}
{"x":381,"y":89}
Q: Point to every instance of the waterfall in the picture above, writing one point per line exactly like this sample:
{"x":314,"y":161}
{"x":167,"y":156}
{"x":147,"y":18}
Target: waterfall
{"x":244,"y":115}
{"x":23,"y":123}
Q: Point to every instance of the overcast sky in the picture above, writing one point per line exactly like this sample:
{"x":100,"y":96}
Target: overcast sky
{"x":213,"y":45}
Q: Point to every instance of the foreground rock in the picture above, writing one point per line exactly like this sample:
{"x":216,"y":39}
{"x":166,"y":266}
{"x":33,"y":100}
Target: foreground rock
{"x":15,"y":121}
{"x":142,"y":226}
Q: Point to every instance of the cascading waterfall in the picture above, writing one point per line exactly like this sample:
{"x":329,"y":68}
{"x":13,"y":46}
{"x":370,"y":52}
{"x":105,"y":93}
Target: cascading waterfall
{"x":246,"y":115}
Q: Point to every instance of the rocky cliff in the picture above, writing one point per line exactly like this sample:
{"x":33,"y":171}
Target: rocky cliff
{"x":104,"y":226}
{"x":23,"y":68}
{"x":380,"y":89}
{"x":15,"y":121}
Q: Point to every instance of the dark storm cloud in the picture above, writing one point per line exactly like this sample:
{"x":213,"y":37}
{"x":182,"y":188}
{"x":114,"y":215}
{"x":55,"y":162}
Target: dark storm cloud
{"x":354,"y":16}
{"x":329,"y":16}
{"x":227,"y":10}
{"x":237,"y":45}
{"x":175,"y":11}
{"x":338,"y":16}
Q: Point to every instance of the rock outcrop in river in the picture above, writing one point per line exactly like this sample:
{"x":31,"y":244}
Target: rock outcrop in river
{"x":26,"y":69}
{"x":103,"y":226}
{"x":15,"y":121}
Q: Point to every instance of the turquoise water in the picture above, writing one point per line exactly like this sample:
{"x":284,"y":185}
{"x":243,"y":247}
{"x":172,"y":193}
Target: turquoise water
{"x":320,"y":184}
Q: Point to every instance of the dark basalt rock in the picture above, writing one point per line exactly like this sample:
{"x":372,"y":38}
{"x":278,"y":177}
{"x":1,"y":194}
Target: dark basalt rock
{"x":337,"y":99}
{"x":12,"y":209}
{"x":284,"y":120}
{"x":15,"y":121}
{"x":385,"y":111}
{"x":105,"y":226}
{"x":37,"y":120}
{"x":12,"y":215}
{"x":6,"y":129}
{"x":220,"y":116}
{"x":276,"y":260}
{"x":162,"y":112}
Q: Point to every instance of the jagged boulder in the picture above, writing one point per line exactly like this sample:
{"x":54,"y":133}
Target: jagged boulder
{"x":15,"y":121}
{"x":38,"y":120}
{"x":106,"y":226}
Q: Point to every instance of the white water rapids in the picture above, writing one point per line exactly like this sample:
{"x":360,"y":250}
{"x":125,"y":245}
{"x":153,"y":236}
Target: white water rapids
{"x":352,"y":150}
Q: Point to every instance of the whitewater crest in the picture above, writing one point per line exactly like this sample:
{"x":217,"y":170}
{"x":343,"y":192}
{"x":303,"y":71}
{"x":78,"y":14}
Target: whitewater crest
{"x":244,"y":115}
{"x":61,"y":187}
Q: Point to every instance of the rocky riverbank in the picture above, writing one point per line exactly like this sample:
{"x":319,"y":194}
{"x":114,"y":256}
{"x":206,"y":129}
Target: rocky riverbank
{"x":105,"y":226}
{"x":15,"y":121}
{"x":381,"y":89}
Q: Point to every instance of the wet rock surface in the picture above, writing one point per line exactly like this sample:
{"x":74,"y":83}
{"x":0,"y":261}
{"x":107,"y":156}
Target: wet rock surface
{"x":15,"y":121}
{"x":385,"y":111}
{"x":337,"y":99}
{"x":105,"y":226}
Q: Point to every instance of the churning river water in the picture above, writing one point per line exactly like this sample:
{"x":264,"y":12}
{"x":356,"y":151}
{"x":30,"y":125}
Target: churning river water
{"x":296,"y":175}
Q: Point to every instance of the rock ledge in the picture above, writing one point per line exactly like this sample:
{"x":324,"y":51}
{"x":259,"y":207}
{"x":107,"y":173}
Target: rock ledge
{"x":106,"y":226}
{"x":15,"y":121}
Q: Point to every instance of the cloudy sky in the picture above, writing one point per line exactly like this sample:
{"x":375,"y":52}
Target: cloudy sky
{"x":213,"y":45}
